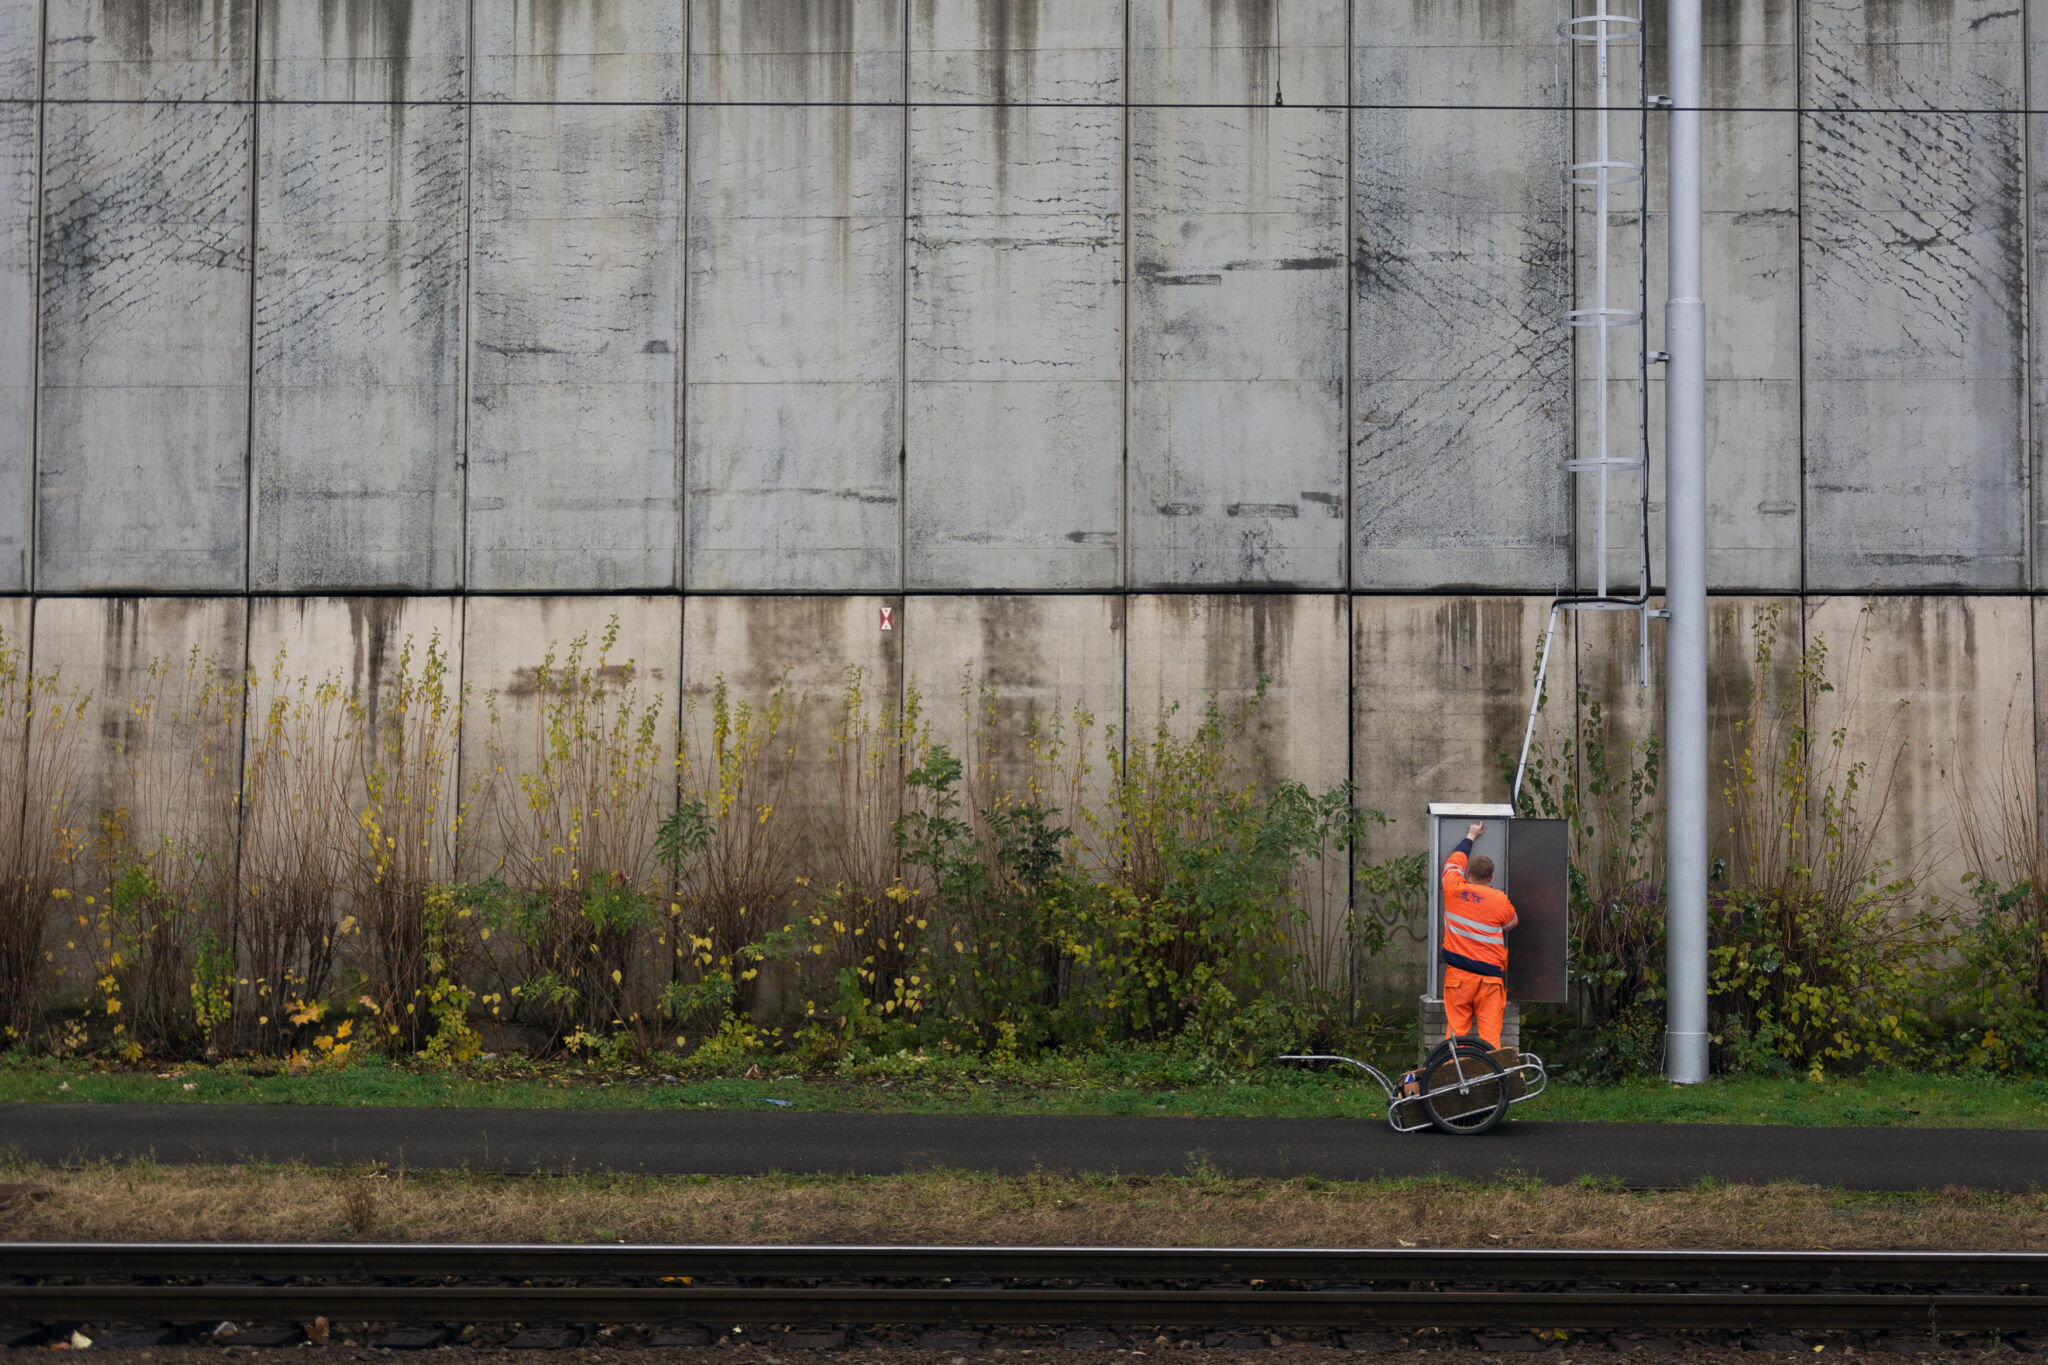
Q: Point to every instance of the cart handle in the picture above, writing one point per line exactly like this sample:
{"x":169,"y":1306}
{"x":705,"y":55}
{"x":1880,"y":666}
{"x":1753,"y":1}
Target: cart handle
{"x":1369,"y":1070}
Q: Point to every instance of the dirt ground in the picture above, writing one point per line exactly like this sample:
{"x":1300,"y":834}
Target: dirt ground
{"x":133,"y":1202}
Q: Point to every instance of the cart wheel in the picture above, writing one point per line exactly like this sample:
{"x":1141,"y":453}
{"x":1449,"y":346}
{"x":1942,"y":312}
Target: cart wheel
{"x":1479,"y":1105}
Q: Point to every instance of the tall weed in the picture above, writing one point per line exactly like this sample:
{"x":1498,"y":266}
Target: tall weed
{"x":298,"y":821}
{"x":42,"y":725}
{"x":579,"y":834}
{"x":1815,"y":942}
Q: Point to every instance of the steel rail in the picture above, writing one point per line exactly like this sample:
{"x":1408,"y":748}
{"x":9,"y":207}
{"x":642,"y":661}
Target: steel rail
{"x":1352,"y":1266}
{"x":991,"y":1305}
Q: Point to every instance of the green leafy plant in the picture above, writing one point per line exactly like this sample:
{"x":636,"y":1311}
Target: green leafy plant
{"x":1189,"y":929}
{"x":581,"y":836}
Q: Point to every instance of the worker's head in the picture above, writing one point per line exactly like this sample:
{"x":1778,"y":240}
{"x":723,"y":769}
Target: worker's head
{"x":1481,"y":870}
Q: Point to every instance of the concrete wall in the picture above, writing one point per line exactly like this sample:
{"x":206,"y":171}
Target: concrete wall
{"x":1124,"y":351}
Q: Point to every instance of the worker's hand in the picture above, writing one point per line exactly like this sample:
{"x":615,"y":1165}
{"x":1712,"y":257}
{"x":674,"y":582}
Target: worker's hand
{"x":1476,"y":830}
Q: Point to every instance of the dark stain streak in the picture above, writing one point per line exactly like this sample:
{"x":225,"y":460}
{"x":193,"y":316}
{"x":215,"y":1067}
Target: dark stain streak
{"x":1283,"y":510}
{"x":1180,"y":509}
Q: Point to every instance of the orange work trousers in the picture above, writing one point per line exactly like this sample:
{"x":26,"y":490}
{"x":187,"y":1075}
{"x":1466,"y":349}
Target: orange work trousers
{"x":1474,"y":1004}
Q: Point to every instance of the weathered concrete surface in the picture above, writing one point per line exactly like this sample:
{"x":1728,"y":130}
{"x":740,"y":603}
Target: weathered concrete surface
{"x":1605,"y":647}
{"x":357,"y":642}
{"x":505,"y":639}
{"x":143,"y":412}
{"x":795,"y":348}
{"x":577,"y":50}
{"x":1236,"y":408}
{"x":132,"y":49}
{"x":357,"y":444}
{"x":1439,"y":693}
{"x":1263,"y":52}
{"x":795,"y":51}
{"x":1187,"y":649}
{"x":369,"y":50}
{"x":171,"y":780}
{"x":1461,"y":259}
{"x":21,"y":51}
{"x":575,"y":341}
{"x":754,"y":644}
{"x":16,"y":620}
{"x":1039,"y":659}
{"x":1014,"y":423}
{"x":17,"y":330}
{"x":2037,"y":260}
{"x":1017,"y":51}
{"x":1913,"y":296}
{"x":1931,"y":690}
{"x":1751,"y":259}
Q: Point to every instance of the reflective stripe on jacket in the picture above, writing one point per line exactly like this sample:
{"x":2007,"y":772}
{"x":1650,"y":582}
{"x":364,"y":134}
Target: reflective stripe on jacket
{"x":1476,"y":920}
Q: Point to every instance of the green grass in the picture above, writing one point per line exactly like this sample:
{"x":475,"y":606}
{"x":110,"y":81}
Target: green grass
{"x":1116,"y":1083}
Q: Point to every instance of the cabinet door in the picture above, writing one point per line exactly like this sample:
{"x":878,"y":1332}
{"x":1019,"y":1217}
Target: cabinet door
{"x":1537,"y":881}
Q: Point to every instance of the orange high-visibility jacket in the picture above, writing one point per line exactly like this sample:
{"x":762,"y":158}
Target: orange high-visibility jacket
{"x":1476,"y":920}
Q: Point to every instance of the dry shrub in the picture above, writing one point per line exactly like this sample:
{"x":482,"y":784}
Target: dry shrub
{"x":1997,"y":982}
{"x":407,"y":835}
{"x":41,"y":724}
{"x":166,"y":859}
{"x":1815,"y":945}
{"x":298,"y":824}
{"x":735,"y":845}
{"x":117,"y":1202}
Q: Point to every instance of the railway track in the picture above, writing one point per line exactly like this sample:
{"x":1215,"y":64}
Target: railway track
{"x":50,"y":1285}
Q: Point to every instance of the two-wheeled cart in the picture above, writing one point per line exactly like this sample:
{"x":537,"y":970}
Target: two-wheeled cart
{"x":1462,"y":1087}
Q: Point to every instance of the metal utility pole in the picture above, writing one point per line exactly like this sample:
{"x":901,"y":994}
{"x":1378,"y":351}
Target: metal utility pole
{"x":1685,"y":576}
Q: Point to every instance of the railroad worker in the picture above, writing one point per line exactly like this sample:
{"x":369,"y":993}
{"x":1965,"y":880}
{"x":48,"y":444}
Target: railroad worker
{"x":1475,"y":946}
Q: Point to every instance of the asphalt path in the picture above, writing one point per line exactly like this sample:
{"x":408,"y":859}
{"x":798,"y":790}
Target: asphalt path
{"x":726,"y":1142}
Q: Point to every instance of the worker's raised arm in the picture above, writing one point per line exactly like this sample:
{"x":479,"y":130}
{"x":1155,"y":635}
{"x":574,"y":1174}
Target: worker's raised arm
{"x":1454,"y":866}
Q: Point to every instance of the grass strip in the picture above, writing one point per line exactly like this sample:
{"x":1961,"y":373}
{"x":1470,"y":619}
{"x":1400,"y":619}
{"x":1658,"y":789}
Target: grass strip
{"x":117,"y":1201}
{"x":1081,"y":1086}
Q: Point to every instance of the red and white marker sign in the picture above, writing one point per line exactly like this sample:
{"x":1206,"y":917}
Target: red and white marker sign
{"x":888,"y":618}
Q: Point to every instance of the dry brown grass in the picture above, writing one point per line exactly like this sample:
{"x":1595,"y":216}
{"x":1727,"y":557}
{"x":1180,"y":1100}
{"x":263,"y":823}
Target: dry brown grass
{"x":143,"y":1202}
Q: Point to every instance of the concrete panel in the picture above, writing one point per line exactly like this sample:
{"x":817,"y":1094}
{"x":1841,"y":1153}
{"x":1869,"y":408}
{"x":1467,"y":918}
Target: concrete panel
{"x":1959,"y":55}
{"x":20,"y":46}
{"x":358,"y":380}
{"x":145,"y":347}
{"x":575,"y":334}
{"x":357,"y":642}
{"x":794,"y":428}
{"x":1440,"y":693}
{"x":796,"y":51}
{"x":1187,"y":648}
{"x":1040,"y":658}
{"x":577,"y":50}
{"x":17,"y":333}
{"x":1017,"y":51}
{"x":147,"y":49}
{"x":1264,"y":52}
{"x":1606,"y":647}
{"x":1461,"y":399}
{"x":1236,"y":437}
{"x":173,"y":780}
{"x":1933,"y":689}
{"x":504,"y":641}
{"x":2036,"y":263}
{"x":1915,"y":339}
{"x":369,"y":50}
{"x":808,"y":642}
{"x":1751,"y":250}
{"x":1014,"y":440}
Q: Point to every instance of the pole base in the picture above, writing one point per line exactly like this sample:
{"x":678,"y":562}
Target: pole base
{"x":1685,"y":1058}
